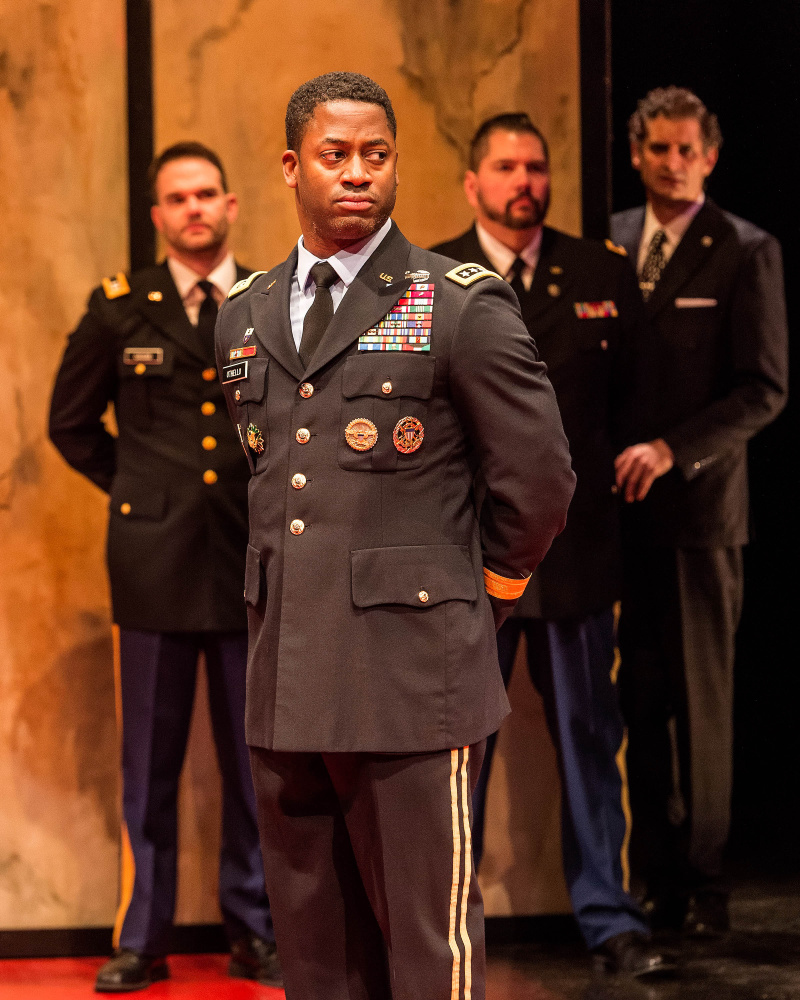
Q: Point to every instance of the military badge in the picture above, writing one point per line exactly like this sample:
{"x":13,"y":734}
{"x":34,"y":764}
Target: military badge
{"x":242,"y":352}
{"x":468,"y":274}
{"x":408,"y":435}
{"x":361,"y":434}
{"x":407,"y":327}
{"x":245,"y":283}
{"x":418,"y":275}
{"x":248,"y":333}
{"x":155,"y":296}
{"x":255,"y":439}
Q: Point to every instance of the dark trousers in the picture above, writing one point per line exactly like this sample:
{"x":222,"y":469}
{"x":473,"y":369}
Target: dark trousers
{"x":679,"y":617}
{"x":158,"y":674}
{"x":368,"y":860}
{"x":571,"y":667}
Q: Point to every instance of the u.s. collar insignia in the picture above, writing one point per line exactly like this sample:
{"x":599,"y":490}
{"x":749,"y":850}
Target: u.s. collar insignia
{"x":244,"y":284}
{"x":386,"y":277}
{"x":255,"y":438}
{"x":114,"y":287}
{"x":408,"y":435}
{"x":418,"y":275}
{"x":361,"y":434}
{"x":467,"y":274}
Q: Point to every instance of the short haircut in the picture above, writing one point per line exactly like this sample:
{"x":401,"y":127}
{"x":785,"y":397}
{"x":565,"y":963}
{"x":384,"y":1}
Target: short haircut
{"x":674,"y":103}
{"x":515,"y":121}
{"x":183,"y":151}
{"x":332,"y":87}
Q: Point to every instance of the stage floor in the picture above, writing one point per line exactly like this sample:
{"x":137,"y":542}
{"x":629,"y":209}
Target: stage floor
{"x":758,"y":960}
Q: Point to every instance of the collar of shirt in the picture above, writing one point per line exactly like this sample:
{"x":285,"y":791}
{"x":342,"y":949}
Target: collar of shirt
{"x":347,"y":263}
{"x":223,"y":278}
{"x":501,"y":257}
{"x":675,"y":230}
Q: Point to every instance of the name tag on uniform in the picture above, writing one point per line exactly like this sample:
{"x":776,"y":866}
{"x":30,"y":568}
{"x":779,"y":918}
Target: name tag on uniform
{"x":695,"y":303}
{"x":234,"y":373}
{"x":143,"y":356}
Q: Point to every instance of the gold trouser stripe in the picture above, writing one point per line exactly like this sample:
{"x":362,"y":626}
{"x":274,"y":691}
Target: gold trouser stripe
{"x":467,"y":876}
{"x":454,"y":986}
{"x":617,"y":656}
{"x":127,"y":861}
{"x":625,"y":799}
{"x":506,"y":588}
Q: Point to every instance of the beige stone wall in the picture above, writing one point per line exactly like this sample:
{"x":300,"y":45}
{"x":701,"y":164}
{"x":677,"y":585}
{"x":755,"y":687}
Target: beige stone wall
{"x":223,"y":74}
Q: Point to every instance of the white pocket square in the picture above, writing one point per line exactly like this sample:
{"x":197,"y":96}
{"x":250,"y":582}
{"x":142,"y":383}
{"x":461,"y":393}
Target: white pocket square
{"x":695,"y":303}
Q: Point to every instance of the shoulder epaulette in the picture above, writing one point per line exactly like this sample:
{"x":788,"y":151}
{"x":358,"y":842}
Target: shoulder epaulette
{"x":614,"y":248}
{"x":240,"y":286}
{"x":115,"y":287}
{"x":468,"y":274}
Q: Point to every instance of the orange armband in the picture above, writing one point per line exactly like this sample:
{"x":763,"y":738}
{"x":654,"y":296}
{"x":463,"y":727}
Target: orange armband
{"x":506,"y":588}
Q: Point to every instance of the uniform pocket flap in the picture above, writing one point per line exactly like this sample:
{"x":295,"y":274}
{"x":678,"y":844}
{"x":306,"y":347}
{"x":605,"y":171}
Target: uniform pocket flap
{"x":248,"y":388}
{"x":133,"y":499}
{"x":414,"y":575}
{"x":388,"y":374}
{"x":252,"y":576}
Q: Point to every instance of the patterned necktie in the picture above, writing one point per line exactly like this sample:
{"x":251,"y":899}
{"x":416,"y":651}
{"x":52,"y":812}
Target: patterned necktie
{"x":207,"y":318}
{"x":320,"y":312}
{"x":654,"y":264}
{"x":516,"y":282}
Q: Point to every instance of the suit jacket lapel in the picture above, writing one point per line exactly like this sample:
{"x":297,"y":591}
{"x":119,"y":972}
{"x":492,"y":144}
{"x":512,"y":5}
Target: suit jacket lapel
{"x":368,"y":299}
{"x":629,"y":235}
{"x":269,"y":312}
{"x":167,"y":313}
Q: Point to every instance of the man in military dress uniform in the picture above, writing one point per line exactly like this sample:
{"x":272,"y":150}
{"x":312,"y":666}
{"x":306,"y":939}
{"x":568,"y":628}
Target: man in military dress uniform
{"x":714,"y":373}
{"x":580,"y":301}
{"x":377,"y":388}
{"x":176,"y":555}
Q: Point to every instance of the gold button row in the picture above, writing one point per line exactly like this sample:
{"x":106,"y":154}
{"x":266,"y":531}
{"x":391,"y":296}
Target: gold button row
{"x":303,"y":436}
{"x":306,"y":390}
{"x":209,"y":374}
{"x":208,"y":409}
{"x":209,"y":443}
{"x":299,"y":480}
{"x":297,"y":527}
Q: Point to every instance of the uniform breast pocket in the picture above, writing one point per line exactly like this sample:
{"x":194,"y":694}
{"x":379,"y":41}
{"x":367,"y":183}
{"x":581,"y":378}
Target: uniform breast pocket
{"x":245,"y":383}
{"x":385,"y":398}
{"x":144,"y":371}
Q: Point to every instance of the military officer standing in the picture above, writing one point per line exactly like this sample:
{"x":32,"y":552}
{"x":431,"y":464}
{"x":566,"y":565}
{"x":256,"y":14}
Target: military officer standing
{"x":176,"y":556}
{"x":580,"y":301}
{"x":376,"y":386}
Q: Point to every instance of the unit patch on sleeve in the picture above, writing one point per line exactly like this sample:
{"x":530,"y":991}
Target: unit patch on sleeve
{"x":240,"y":286}
{"x":596,"y":310}
{"x":407,"y":327}
{"x":468,"y":274}
{"x":114,"y":287}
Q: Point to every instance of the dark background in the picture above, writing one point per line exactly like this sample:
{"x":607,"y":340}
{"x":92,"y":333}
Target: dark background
{"x":746,"y":68}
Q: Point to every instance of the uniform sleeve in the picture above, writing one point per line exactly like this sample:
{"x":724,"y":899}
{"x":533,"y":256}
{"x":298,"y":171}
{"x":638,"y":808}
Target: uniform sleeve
{"x":508,"y":409}
{"x":758,"y":359}
{"x":85,"y":383}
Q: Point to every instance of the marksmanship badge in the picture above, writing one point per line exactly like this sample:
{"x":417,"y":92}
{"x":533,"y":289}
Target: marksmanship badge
{"x":408,"y":435}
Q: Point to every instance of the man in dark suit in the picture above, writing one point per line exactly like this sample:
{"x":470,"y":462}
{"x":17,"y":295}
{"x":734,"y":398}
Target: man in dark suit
{"x":713,"y":374}
{"x":385,"y":386}
{"x":176,"y":554}
{"x":580,"y":302}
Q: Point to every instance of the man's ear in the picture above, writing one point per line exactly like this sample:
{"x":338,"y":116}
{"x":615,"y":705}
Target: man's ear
{"x":471,"y":188}
{"x":291,"y":164}
{"x":155,"y":215}
{"x":636,"y":155}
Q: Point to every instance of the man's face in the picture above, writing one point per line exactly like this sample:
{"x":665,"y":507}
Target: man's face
{"x":344,"y":174}
{"x":192,"y":212}
{"x":672,"y":161}
{"x":511,"y":186}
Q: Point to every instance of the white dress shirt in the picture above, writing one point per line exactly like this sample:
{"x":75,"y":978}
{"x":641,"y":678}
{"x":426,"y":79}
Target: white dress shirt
{"x":347,"y":263}
{"x":501,"y":257}
{"x":674,"y":230}
{"x":223,"y":278}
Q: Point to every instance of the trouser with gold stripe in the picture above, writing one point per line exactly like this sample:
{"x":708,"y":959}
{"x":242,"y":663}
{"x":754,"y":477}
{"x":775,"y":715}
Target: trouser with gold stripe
{"x":368,"y":860}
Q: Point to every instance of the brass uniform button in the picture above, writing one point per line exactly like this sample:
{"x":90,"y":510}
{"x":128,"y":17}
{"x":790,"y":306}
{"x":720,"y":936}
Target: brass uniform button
{"x":697,"y":465}
{"x":208,"y":409}
{"x":299,"y":480}
{"x":209,"y":443}
{"x":209,"y":374}
{"x":423,"y":596}
{"x":386,"y":388}
{"x":306,"y":390}
{"x":303,"y":436}
{"x":237,"y":395}
{"x":210,"y":477}
{"x":603,"y":345}
{"x":615,"y":489}
{"x":155,"y":296}
{"x":125,"y":508}
{"x":553,"y":290}
{"x":297,"y":527}
{"x":140,"y":369}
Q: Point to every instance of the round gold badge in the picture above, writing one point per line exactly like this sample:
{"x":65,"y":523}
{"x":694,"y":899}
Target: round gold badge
{"x":361,"y":434}
{"x":408,"y":435}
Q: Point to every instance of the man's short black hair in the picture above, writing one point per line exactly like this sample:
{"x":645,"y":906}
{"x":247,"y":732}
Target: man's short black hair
{"x":513,"y":121}
{"x":674,"y":103}
{"x":183,"y":151}
{"x":332,"y":87}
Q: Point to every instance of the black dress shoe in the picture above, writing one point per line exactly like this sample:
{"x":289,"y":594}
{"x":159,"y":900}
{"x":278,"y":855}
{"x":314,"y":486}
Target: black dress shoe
{"x":254,"y":958}
{"x":707,"y":915}
{"x":129,"y":970}
{"x":630,"y":954}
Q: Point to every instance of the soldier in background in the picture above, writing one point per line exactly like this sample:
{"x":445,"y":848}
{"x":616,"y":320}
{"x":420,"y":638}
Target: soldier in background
{"x":580,"y":302}
{"x":177,"y":536}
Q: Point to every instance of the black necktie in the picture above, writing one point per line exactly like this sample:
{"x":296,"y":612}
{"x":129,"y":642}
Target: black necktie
{"x":516,"y":283}
{"x":320,"y":313}
{"x":654,"y":264}
{"x":207,"y":318}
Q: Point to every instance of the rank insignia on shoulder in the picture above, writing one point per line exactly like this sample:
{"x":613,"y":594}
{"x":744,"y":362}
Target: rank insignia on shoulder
{"x":115,"y":287}
{"x":467,"y":274}
{"x":596,"y":310}
{"x":244,"y":284}
{"x":615,"y":248}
